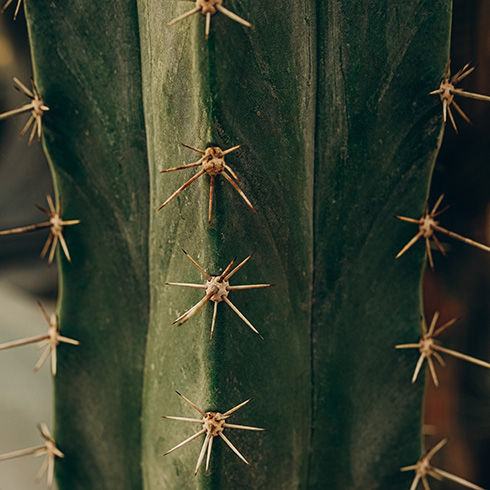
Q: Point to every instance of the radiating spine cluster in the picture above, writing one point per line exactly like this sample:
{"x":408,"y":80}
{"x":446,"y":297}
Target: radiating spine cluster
{"x":213,"y":164}
{"x":209,"y":8}
{"x":447,"y":91}
{"x":214,"y":425}
{"x":49,"y":450}
{"x":36,"y":107}
{"x":217,"y":290}
{"x":50,"y":340}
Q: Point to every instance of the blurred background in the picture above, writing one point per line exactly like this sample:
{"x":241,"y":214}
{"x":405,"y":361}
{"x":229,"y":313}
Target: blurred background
{"x":25,"y":397}
{"x":460,"y":287}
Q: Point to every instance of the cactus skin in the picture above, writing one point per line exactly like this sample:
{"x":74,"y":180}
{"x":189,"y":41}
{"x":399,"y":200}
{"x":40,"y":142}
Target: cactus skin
{"x":95,"y":142}
{"x":329,"y":102}
{"x":379,"y":145}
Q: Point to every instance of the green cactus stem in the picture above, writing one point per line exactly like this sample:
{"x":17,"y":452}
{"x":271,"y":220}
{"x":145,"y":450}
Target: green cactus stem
{"x":329,"y":102}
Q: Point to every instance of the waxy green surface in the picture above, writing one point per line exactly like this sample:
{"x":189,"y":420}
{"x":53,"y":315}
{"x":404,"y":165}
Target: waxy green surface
{"x":87,"y":66}
{"x":329,"y":102}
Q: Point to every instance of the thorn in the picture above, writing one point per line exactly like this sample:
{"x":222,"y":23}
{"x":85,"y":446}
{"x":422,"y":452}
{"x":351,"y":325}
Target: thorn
{"x":427,"y":228}
{"x":428,"y":347}
{"x":209,"y":8}
{"x":214,"y":426}
{"x":213,"y":164}
{"x":447,"y":92}
{"x":217,"y":290}
{"x":36,"y":107}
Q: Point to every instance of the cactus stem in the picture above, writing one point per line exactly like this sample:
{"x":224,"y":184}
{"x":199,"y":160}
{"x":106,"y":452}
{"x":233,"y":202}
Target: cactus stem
{"x":214,"y":425}
{"x":49,"y":340}
{"x":49,"y":449}
{"x":428,"y":348}
{"x":213,"y":163}
{"x":447,"y":91}
{"x":217,"y":289}
{"x":55,"y":224}
{"x":427,"y":227}
{"x":16,"y":8}
{"x":208,"y":8}
{"x":36,"y":107}
{"x":423,"y":468}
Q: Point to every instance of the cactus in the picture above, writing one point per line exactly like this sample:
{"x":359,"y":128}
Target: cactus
{"x":330,"y":106}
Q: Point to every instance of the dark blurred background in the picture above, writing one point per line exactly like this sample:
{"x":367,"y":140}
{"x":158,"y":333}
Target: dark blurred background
{"x":460,"y":287}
